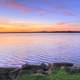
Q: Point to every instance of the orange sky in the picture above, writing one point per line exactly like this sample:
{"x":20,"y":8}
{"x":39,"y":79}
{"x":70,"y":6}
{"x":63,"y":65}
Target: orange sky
{"x":39,"y":15}
{"x":32,"y":27}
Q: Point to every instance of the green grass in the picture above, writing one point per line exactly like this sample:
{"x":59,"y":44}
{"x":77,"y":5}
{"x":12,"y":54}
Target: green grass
{"x":58,"y":74}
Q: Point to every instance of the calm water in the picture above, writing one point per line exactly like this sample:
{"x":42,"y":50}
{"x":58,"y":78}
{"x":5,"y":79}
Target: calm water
{"x":34,"y":48}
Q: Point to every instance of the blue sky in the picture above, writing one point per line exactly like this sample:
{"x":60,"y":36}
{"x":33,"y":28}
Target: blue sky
{"x":50,"y":11}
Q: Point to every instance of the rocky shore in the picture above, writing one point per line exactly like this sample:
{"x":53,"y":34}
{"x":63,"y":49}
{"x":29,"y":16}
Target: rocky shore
{"x":43,"y":68}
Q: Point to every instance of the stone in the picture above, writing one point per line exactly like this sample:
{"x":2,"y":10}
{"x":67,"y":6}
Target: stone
{"x":74,"y":69}
{"x":62,"y":65}
{"x":9,"y":73}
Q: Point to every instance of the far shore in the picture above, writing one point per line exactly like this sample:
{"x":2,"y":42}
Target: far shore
{"x":46,"y":32}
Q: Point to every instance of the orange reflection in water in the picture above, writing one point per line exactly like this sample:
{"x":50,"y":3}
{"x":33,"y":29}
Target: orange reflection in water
{"x":31,"y":47}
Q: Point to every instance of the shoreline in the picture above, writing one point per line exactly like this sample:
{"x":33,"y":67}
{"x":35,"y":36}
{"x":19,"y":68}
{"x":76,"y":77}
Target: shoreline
{"x":46,"y":32}
{"x":45,"y":63}
{"x":43,"y":69}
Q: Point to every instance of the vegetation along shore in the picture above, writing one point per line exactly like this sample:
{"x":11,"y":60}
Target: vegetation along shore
{"x":44,"y":71}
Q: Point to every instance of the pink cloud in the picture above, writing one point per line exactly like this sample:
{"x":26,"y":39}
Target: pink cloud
{"x":68,"y":13}
{"x":27,"y":9}
{"x":63,"y":10}
{"x":62,"y":23}
{"x":67,"y":26}
{"x":21,"y":7}
{"x":18,"y":6}
{"x":46,"y":1}
{"x":40,"y":11}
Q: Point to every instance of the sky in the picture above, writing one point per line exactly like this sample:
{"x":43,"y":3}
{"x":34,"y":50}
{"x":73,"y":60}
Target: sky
{"x":39,"y":15}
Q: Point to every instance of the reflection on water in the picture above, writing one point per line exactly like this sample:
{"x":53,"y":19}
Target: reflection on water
{"x":34,"y":48}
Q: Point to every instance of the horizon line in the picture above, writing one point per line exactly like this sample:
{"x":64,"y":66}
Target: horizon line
{"x":46,"y":32}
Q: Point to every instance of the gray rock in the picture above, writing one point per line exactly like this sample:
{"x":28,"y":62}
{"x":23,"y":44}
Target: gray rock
{"x":63,"y":64}
{"x":43,"y":68}
{"x":74,"y":69}
{"x":9,"y":73}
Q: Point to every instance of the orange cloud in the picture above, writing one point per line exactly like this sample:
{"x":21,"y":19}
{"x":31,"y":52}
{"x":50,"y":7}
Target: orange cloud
{"x":22,"y":27}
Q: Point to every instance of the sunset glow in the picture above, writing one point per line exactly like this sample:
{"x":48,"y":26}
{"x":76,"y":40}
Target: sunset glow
{"x":39,"y":15}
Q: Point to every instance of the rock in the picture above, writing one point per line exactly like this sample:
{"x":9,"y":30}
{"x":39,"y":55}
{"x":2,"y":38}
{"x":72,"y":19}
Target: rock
{"x":74,"y":69}
{"x":14,"y":74}
{"x":31,"y":68}
{"x":9,"y":73}
{"x":62,"y":65}
{"x":47,"y":68}
{"x":43,"y":68}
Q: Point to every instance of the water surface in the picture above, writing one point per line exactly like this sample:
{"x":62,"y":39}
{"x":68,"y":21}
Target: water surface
{"x":17,"y":49}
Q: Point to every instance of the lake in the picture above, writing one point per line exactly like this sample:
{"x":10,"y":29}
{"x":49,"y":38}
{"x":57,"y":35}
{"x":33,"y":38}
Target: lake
{"x":17,"y":49}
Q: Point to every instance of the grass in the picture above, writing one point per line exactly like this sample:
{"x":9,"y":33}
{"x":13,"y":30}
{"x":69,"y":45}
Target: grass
{"x":58,"y":74}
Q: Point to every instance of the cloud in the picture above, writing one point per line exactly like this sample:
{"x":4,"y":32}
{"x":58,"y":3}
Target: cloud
{"x":62,"y":23}
{"x":1,"y":27}
{"x":62,"y":9}
{"x":52,"y":8}
{"x":68,"y":13}
{"x":46,"y":1}
{"x":21,"y":7}
{"x":65,"y":10}
{"x":18,"y":6}
{"x":67,"y":26}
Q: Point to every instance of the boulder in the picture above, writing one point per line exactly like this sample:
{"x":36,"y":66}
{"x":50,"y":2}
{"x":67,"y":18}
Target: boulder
{"x":43,"y":68}
{"x":63,"y":64}
{"x":47,"y":68}
{"x":74,"y":69}
{"x":9,"y":73}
